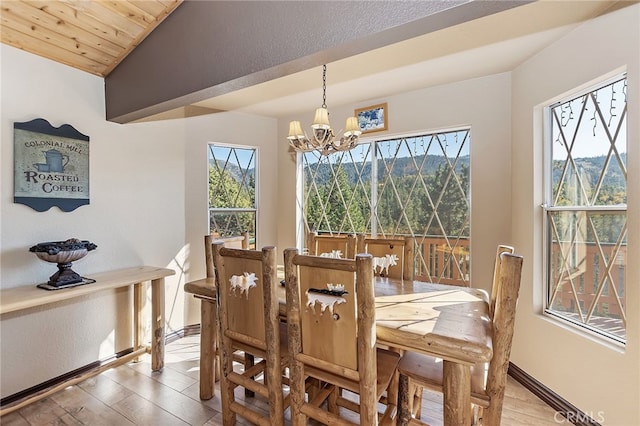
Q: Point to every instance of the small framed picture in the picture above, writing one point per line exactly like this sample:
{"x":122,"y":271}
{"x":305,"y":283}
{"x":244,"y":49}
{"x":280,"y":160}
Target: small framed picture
{"x":373,"y":118}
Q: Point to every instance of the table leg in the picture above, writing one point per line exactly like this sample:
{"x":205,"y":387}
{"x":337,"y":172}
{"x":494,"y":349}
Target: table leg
{"x":208,"y":332}
{"x":456,"y":394}
{"x":157,"y":324}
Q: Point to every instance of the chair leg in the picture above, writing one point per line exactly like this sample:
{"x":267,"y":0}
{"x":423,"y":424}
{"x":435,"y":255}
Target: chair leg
{"x":249,"y":361}
{"x":332,"y":401}
{"x":404,"y":411}
{"x":296,"y":395}
{"x":478,"y":416}
{"x":226,"y":389}
{"x":216,"y":368}
{"x":313,"y":388}
{"x":392,"y":391}
{"x":217,"y":362}
{"x":417,"y":401}
{"x":208,"y":348}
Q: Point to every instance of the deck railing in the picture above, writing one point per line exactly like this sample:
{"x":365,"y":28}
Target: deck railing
{"x":582,"y":297}
{"x":442,"y":260}
{"x":447,"y":261}
{"x":592,"y":292}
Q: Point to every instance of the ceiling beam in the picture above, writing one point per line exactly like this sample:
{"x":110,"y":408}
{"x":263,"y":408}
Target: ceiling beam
{"x":209,"y":48}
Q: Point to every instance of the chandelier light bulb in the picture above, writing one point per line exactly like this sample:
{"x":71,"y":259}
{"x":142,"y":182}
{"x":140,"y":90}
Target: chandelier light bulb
{"x":352,"y":127}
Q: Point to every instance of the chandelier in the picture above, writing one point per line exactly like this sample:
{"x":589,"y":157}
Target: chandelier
{"x":323,"y":139}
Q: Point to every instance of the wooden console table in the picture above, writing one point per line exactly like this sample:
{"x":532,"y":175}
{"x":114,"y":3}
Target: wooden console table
{"x":22,"y":298}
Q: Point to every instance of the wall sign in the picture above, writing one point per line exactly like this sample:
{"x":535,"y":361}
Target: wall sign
{"x":51,"y":166}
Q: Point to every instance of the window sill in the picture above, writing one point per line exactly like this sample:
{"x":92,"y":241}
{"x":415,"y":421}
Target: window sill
{"x":585,"y":331}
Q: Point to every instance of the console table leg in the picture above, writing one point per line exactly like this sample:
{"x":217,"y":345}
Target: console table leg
{"x":157,"y":324}
{"x":138,"y":317}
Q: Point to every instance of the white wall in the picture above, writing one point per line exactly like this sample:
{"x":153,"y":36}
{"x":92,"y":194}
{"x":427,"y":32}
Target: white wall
{"x":237,"y":129}
{"x":484,"y":104}
{"x":135,"y":216}
{"x":600,"y":379}
{"x":148,"y":206}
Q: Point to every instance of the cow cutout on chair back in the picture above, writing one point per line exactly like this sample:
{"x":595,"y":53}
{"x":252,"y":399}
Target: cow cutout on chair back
{"x":387,"y":258}
{"x":337,"y":246}
{"x":392,"y":257}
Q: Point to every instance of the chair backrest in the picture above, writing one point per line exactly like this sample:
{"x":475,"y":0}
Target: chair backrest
{"x":503,"y":327}
{"x":496,"y":275}
{"x":246,"y":281}
{"x":239,"y":241}
{"x":331,"y":245}
{"x":248,"y":315}
{"x":322,"y":324}
{"x":392,"y":257}
{"x":235,"y":241}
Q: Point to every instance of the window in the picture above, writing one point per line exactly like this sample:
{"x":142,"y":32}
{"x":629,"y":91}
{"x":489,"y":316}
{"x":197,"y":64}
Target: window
{"x":586,"y":209}
{"x":232,"y":190}
{"x":412,"y":186}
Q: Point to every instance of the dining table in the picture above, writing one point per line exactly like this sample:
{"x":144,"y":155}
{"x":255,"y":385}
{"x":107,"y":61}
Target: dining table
{"x":448,"y":322}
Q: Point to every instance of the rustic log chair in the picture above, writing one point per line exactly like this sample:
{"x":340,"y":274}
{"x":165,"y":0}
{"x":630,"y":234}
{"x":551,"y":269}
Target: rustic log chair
{"x":381,"y":248}
{"x":332,"y":340}
{"x":209,"y":360}
{"x":248,"y":318}
{"x":417,"y":411}
{"x":487,"y":381}
{"x":319,"y":244}
{"x":496,"y":275}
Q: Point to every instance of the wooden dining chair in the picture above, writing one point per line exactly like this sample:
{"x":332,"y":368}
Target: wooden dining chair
{"x":492,"y":303}
{"x":209,"y":353}
{"x":248,"y":318}
{"x":233,"y":241}
{"x":392,"y":257}
{"x":496,"y":275}
{"x":332,"y":339}
{"x":334,"y":245}
{"x":488,"y":381}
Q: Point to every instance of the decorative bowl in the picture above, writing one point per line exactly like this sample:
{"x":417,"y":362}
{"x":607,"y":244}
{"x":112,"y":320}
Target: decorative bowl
{"x":63,"y":253}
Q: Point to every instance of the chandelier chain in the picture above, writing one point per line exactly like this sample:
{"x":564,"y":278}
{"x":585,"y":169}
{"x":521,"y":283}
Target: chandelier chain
{"x":324,"y":86}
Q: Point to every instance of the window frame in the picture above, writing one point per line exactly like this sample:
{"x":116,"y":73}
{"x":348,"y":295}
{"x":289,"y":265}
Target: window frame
{"x":547,"y":208}
{"x":375,"y":227}
{"x":255,"y":209}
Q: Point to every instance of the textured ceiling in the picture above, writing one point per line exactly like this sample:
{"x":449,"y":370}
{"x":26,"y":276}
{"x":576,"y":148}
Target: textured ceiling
{"x":95,"y":36}
{"x":485,"y":46}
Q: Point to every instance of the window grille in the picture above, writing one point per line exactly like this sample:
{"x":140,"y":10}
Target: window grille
{"x":410,"y":186}
{"x":232,"y":190}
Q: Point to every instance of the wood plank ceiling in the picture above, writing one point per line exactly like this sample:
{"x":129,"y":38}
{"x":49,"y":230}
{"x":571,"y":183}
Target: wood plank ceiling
{"x":91,"y":35}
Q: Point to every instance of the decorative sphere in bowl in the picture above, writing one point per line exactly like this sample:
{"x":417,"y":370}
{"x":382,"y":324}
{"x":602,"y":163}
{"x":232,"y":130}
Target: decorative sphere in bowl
{"x":63,"y":251}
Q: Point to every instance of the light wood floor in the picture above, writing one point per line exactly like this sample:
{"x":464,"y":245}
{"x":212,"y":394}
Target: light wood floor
{"x":132,"y":395}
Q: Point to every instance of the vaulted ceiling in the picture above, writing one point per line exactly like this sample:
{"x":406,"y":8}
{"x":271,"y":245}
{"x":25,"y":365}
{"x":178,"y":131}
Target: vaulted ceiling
{"x":99,"y":36}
